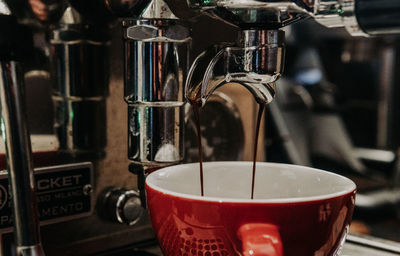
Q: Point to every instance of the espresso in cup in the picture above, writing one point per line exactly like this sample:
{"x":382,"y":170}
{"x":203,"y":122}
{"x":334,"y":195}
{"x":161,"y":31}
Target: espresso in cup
{"x":295,"y":211}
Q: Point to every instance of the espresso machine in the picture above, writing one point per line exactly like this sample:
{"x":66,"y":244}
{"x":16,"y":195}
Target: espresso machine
{"x":80,"y":194}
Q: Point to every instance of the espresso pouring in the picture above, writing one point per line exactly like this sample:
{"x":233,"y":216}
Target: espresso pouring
{"x":196,"y":112}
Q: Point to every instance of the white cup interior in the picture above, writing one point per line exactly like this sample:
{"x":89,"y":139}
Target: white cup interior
{"x":231,"y":181}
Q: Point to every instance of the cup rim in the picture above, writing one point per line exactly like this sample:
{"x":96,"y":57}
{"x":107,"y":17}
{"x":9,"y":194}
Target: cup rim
{"x":351,"y":188}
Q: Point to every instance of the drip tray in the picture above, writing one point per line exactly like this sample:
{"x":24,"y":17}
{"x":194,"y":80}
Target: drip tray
{"x":148,"y":248}
{"x":354,"y":246}
{"x":369,"y":246}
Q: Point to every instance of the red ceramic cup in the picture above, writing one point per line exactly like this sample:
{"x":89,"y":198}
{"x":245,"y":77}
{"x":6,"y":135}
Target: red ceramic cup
{"x":296,"y":211}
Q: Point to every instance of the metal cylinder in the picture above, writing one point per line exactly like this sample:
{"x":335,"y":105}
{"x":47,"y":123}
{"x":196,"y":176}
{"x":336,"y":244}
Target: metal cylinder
{"x":80,"y":85}
{"x":156,"y":54}
{"x":19,"y":161}
{"x":378,"y":17}
{"x":264,"y":51}
{"x":16,"y":137}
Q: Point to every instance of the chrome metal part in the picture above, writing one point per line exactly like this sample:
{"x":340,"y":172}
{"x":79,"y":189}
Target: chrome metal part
{"x":70,"y":17}
{"x":350,"y":249}
{"x":385,"y":131}
{"x":16,"y":137}
{"x":4,"y":9}
{"x":252,"y":14}
{"x":158,"y":31}
{"x":338,"y":13}
{"x":80,"y":79}
{"x":272,"y":14}
{"x":19,"y":161}
{"x":34,"y":250}
{"x":256,"y":62}
{"x":123,"y":206}
{"x":385,"y":246}
{"x":156,"y":52}
{"x":158,"y":9}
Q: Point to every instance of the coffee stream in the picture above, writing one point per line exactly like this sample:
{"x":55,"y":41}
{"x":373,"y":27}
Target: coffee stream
{"x":261,"y":108}
{"x":196,"y":112}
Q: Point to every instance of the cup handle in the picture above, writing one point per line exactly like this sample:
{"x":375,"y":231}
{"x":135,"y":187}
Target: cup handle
{"x":259,"y":239}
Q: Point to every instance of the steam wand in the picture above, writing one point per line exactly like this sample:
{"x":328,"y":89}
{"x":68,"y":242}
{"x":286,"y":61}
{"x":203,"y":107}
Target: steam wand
{"x":17,"y":140}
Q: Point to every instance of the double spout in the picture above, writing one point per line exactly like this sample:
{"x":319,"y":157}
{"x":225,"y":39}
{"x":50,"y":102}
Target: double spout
{"x":255,"y":62}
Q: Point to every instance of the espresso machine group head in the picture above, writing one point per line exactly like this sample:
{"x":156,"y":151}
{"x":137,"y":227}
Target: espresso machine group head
{"x":256,"y":60}
{"x":359,"y":17}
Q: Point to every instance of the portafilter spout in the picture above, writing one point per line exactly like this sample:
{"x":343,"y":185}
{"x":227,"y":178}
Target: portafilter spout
{"x":255,"y":62}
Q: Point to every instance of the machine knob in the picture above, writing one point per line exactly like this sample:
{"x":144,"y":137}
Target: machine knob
{"x":123,"y":206}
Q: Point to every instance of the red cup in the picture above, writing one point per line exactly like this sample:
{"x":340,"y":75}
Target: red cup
{"x":295,"y":211}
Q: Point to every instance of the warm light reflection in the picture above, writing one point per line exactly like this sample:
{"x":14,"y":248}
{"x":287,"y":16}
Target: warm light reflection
{"x":39,"y":9}
{"x":4,"y":9}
